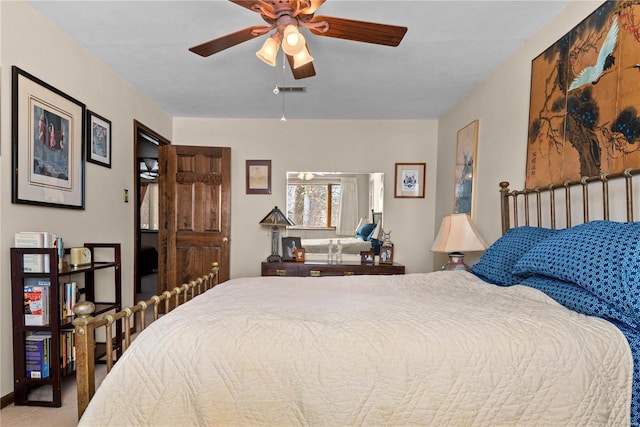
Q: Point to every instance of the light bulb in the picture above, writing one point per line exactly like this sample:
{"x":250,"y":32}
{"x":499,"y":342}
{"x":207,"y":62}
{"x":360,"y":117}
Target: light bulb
{"x":293,"y":42}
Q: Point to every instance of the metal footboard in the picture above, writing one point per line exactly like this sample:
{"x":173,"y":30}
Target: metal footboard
{"x":86,"y":325}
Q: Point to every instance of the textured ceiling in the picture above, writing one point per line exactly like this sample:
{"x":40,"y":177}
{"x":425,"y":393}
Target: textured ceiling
{"x":450,"y":46}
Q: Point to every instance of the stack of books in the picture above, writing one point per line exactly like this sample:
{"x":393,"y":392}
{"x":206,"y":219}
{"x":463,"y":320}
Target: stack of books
{"x":38,"y":263}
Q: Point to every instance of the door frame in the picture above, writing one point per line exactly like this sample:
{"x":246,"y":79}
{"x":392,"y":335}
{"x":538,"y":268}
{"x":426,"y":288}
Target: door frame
{"x":140,"y":129}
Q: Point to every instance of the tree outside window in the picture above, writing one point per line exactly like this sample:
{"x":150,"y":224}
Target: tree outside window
{"x":313,"y":205}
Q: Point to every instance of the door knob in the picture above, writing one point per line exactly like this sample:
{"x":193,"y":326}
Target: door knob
{"x":225,"y":239}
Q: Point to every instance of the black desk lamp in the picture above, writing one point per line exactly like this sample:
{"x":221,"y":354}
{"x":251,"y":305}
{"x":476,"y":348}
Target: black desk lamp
{"x":275,"y":219}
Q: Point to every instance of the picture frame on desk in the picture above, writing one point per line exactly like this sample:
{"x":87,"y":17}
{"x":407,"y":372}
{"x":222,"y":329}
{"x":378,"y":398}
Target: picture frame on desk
{"x":289,"y":246}
{"x":367,"y":257}
{"x":299,"y":254}
{"x":48,"y":144}
{"x":386,"y":254}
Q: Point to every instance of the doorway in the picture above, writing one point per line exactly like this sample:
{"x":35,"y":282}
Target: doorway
{"x":147,"y":216}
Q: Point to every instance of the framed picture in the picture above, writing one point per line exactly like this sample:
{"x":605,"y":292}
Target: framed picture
{"x":367,"y":257}
{"x":48,"y":148}
{"x":289,"y":246}
{"x":258,"y":176}
{"x":299,"y":255}
{"x":386,"y":255}
{"x":98,"y":139}
{"x":466,"y":168}
{"x":409,"y":180}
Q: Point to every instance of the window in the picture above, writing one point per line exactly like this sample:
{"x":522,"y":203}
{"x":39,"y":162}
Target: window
{"x":313,"y":205}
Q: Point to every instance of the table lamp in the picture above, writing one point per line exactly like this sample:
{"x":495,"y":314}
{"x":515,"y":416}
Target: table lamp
{"x":457,"y":235}
{"x":275,"y":219}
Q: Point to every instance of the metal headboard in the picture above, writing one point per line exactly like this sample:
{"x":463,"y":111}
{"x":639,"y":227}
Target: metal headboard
{"x":516,"y":206}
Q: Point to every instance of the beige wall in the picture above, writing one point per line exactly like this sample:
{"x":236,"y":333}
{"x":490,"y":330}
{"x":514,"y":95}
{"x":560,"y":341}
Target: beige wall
{"x":501,"y":103}
{"x":35,"y":45}
{"x":321,"y":145}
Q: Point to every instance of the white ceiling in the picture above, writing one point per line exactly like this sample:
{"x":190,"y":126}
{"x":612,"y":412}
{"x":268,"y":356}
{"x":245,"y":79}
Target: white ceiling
{"x":450,"y":46}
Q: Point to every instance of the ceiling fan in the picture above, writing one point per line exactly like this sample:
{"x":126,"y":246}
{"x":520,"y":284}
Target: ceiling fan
{"x":285,"y":17}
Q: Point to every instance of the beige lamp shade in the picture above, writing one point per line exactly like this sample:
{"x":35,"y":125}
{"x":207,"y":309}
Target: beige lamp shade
{"x":292,"y":40}
{"x":458,"y":234}
{"x":302,"y":58}
{"x":269,"y":51}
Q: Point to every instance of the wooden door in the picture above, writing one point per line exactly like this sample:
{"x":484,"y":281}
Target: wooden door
{"x":195,"y":213}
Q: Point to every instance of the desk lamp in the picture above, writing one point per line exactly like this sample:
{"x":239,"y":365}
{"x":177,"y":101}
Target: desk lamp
{"x":275,"y":219}
{"x":457,"y":235}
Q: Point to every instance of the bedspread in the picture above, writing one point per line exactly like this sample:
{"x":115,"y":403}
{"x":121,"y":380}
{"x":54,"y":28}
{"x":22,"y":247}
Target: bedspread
{"x":442,"y":348}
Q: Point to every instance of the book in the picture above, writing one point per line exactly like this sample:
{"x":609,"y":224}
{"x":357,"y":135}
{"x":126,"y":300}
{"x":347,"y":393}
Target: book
{"x":37,"y":351}
{"x":35,"y":263}
{"x":68,"y":298}
{"x":36,"y":304}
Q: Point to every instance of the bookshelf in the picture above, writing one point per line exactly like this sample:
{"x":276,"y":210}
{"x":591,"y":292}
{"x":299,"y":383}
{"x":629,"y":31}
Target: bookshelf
{"x":48,"y":391}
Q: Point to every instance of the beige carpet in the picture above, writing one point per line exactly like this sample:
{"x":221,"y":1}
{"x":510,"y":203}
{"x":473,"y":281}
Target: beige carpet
{"x":66,"y":416}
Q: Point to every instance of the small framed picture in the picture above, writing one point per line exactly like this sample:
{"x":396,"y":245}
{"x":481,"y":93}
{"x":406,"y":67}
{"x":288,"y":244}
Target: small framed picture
{"x":98,"y":139}
{"x":386,"y":255}
{"x":299,"y":254}
{"x":258,"y":176}
{"x":367,"y":257}
{"x":410,"y":180}
{"x":289,"y":246}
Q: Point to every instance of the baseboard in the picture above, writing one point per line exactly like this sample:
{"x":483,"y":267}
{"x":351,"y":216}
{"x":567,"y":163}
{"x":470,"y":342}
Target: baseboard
{"x":6,"y":400}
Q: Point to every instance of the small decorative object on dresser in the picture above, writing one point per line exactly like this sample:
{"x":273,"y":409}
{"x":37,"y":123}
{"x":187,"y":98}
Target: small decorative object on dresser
{"x":299,"y":254}
{"x":367,"y":257}
{"x":386,"y":254}
{"x":289,"y":246}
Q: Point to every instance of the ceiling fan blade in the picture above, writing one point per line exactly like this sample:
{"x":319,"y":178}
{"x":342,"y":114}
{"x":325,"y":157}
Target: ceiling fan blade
{"x":230,"y":40}
{"x":302,"y":72}
{"x":249,"y":4}
{"x":360,"y":31}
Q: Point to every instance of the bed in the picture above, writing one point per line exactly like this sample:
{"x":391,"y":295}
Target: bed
{"x":366,"y":238}
{"x":543,"y":331}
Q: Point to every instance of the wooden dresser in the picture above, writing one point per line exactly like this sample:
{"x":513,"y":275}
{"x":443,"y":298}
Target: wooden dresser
{"x":317,"y":269}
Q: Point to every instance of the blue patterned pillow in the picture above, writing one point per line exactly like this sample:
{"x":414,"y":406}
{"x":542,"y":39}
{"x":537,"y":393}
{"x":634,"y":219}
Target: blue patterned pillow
{"x":496,"y":264}
{"x":579,"y":300}
{"x":598,"y":256}
{"x":631,"y":275}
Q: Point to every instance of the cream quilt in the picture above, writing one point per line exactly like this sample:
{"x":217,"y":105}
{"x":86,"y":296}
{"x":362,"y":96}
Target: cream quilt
{"x":431,"y":349}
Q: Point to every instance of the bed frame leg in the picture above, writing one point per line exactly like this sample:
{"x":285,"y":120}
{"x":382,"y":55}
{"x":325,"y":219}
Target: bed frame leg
{"x":85,"y":360}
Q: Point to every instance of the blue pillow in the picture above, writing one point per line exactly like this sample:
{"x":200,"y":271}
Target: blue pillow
{"x":579,"y":300}
{"x":599,"y":256}
{"x":496,"y":264}
{"x":364,"y":231}
{"x":631,"y":275}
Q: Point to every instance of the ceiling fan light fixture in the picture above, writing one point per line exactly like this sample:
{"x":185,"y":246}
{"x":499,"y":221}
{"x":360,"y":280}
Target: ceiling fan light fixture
{"x":269,"y":50}
{"x":292,"y":40}
{"x":302,"y":58}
